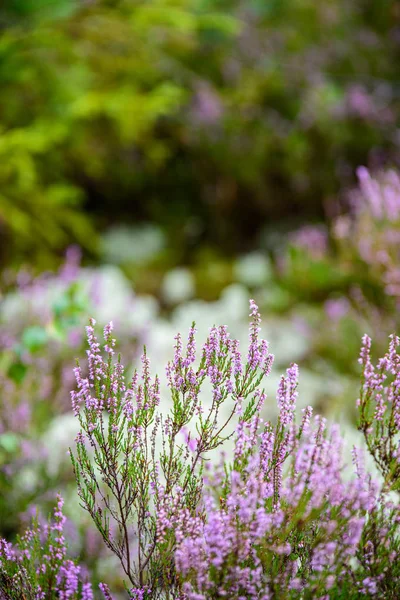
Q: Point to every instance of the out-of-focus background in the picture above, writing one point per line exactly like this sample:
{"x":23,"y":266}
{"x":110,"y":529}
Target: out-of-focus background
{"x":163,"y":161}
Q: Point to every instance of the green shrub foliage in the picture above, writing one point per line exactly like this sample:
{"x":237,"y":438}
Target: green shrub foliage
{"x":179,"y":110}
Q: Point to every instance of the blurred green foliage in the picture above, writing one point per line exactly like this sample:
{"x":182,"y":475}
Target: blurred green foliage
{"x":208,"y":116}
{"x":313,"y":278}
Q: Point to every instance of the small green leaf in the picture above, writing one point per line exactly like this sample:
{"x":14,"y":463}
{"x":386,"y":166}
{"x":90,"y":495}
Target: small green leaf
{"x":34,"y":338}
{"x":9,"y":442}
{"x":17,"y":372}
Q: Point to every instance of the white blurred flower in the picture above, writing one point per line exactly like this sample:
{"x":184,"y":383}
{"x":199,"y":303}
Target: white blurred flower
{"x":234,"y":302}
{"x":57,"y":439}
{"x":178,"y":286}
{"x":114,"y":299}
{"x":252,"y":269}
{"x":132,"y":244}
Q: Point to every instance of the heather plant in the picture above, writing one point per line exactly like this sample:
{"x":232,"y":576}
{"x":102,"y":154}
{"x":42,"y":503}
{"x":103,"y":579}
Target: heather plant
{"x":282,"y":517}
{"x":146,"y":488}
{"x":369,"y":235}
{"x":351,"y":268}
{"x":360,"y":248}
{"x":36,"y":566}
{"x":379,"y":408}
{"x":41,"y":332}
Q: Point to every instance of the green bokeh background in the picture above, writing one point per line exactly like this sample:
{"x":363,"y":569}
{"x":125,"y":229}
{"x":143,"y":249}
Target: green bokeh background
{"x":211,"y":118}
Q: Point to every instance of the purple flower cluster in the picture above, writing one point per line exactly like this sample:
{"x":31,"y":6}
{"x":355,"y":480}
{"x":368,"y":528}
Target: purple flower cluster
{"x":381,"y":197}
{"x":379,"y":406}
{"x":37,"y":565}
{"x":372,"y":232}
{"x":254,"y":525}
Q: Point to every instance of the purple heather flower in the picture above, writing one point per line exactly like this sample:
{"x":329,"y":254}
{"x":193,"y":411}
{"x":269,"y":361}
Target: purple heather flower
{"x":258,"y":356}
{"x":287,"y":395}
{"x":139,"y":593}
{"x":190,"y":348}
{"x":67,"y":580}
{"x":106,"y":591}
{"x":87,"y":592}
{"x":336,"y":308}
{"x":312,"y":238}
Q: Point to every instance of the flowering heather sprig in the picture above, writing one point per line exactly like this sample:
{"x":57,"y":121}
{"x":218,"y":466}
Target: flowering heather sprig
{"x":105,"y":591}
{"x":258,"y":355}
{"x":37,"y":568}
{"x":379,"y":409}
{"x":287,"y":395}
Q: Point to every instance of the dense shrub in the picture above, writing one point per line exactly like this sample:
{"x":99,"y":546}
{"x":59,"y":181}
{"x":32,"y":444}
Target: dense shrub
{"x":280,"y":517}
{"x":348,"y":273}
